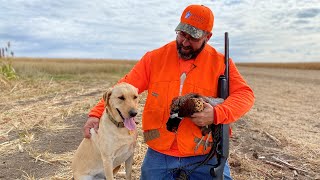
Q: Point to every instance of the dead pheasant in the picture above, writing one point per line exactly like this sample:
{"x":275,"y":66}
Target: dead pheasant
{"x":185,"y":106}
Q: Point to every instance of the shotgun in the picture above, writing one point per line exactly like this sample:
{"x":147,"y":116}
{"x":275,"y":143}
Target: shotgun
{"x":222,"y":151}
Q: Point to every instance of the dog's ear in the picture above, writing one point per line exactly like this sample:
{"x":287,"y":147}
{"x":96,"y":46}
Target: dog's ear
{"x":106,"y":96}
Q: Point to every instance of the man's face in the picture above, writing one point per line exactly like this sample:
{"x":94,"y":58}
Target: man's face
{"x":189,"y":47}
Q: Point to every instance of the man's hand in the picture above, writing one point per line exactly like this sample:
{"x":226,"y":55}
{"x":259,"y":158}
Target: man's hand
{"x":204,"y":117}
{"x":92,"y":122}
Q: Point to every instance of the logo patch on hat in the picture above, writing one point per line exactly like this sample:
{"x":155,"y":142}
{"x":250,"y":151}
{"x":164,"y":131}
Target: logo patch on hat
{"x":188,"y":14}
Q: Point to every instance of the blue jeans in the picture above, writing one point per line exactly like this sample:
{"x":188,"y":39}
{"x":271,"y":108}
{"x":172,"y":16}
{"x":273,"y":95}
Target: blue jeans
{"x":157,"y":166}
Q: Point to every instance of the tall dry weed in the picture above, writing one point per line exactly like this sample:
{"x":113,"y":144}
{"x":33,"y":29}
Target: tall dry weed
{"x":7,"y":72}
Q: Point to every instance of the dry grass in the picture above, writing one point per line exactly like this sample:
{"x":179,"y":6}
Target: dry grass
{"x":38,"y":106}
{"x":41,"y":116}
{"x":67,"y":68}
{"x":305,"y":65}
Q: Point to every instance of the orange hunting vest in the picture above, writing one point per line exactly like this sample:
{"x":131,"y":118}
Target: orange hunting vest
{"x":164,"y":86}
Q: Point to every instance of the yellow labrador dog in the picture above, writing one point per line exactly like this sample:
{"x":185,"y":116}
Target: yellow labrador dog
{"x":114,"y":143}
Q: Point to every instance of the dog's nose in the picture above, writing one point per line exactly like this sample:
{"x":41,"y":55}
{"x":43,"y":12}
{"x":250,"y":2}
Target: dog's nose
{"x":133,"y":113}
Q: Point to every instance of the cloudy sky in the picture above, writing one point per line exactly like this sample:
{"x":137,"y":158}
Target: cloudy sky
{"x":259,"y":31}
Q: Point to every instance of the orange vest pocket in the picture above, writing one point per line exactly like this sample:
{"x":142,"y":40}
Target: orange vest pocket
{"x":152,"y":119}
{"x":188,"y":136}
{"x":164,"y":142}
{"x":153,"y":124}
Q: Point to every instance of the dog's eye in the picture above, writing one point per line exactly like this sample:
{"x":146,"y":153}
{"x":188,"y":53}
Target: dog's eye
{"x":121,"y":97}
{"x":135,"y":97}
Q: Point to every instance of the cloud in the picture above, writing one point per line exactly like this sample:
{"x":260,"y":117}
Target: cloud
{"x":258,"y":30}
{"x":308,"y":13}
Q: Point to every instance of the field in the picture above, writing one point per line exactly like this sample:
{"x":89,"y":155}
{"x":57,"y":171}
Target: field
{"x":42,"y":114}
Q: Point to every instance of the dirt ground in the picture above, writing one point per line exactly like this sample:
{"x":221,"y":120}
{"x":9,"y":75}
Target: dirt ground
{"x":41,"y":123}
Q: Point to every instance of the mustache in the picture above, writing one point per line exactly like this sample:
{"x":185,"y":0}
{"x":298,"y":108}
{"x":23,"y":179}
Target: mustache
{"x":190,"y":55}
{"x":185,"y":47}
{"x":185,"y":55}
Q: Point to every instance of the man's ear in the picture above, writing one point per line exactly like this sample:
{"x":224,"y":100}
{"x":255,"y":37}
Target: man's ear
{"x":106,"y":96}
{"x":208,"y":36}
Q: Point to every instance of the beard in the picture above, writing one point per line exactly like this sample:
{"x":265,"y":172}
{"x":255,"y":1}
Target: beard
{"x":192,"y":54}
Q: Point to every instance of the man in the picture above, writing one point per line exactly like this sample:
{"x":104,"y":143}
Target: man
{"x":187,"y":65}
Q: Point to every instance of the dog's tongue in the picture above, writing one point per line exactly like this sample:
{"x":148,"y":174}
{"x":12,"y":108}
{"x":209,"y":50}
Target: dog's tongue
{"x":130,"y":124}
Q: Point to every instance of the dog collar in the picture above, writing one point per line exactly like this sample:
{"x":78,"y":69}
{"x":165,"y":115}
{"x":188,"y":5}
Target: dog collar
{"x":118,"y":124}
